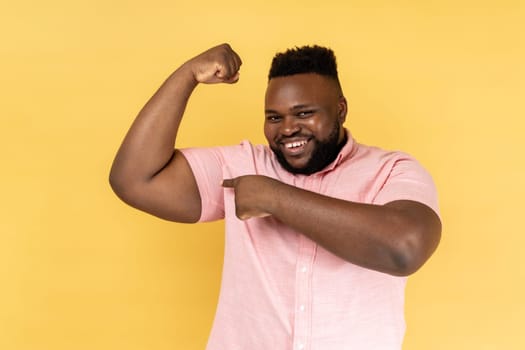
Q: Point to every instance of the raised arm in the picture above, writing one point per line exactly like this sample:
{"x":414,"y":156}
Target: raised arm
{"x":147,"y":172}
{"x":396,"y":238}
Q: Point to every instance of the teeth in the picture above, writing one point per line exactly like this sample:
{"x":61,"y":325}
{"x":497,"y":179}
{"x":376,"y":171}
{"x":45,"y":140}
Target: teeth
{"x":295,"y":144}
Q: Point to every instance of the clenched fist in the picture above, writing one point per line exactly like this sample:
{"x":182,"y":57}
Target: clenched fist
{"x":220,"y":64}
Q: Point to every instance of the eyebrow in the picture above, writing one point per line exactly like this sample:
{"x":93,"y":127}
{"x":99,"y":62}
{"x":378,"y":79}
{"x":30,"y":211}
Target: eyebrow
{"x":294,"y":108}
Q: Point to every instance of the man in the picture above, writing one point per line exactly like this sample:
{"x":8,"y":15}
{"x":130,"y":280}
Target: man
{"x":321,"y":231}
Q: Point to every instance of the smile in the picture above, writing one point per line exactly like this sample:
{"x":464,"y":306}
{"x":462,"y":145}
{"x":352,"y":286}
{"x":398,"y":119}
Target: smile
{"x":294,"y":148}
{"x":291,"y":145}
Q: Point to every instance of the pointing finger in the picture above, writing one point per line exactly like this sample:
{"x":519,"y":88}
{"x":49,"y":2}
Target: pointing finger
{"x":228,"y":183}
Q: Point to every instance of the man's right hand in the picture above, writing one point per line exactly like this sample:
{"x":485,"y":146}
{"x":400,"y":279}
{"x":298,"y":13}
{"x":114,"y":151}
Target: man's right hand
{"x":220,"y":64}
{"x":147,"y":173}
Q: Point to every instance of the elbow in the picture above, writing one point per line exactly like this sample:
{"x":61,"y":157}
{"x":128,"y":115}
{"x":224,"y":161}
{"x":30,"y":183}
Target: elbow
{"x":121,"y":186}
{"x":413,"y":251}
{"x":404,"y":264}
{"x":116,"y":183}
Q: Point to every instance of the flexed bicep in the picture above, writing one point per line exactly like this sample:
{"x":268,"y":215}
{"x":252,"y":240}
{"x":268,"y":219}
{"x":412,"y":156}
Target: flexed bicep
{"x":146,"y":172}
{"x":171,"y":194}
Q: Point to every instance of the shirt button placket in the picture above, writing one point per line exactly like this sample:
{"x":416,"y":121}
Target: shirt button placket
{"x":303,"y":290}
{"x":303,"y":294}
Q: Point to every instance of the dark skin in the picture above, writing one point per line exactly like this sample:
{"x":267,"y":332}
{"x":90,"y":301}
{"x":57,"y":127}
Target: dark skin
{"x":396,"y":238}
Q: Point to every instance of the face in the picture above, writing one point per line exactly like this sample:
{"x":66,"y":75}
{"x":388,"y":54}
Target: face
{"x":304,"y":114}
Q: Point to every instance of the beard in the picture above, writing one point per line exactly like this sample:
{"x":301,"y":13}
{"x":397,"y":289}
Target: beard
{"x":324,"y":153}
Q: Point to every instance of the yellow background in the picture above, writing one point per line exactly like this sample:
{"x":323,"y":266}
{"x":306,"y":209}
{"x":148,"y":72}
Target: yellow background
{"x":443,"y":80}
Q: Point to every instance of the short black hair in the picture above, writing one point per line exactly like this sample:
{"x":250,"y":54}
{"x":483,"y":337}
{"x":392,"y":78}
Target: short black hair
{"x":304,"y":59}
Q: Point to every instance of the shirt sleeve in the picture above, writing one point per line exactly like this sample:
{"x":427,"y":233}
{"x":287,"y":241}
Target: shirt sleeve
{"x":408,"y":180}
{"x":206,"y":165}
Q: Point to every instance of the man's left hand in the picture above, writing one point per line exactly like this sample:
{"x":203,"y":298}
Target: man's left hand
{"x":253,"y":195}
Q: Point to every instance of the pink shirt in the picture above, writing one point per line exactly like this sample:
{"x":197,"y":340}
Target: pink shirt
{"x":280,"y":290}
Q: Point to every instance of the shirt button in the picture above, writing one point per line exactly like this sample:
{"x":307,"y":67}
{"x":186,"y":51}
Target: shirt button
{"x":300,"y":346}
{"x":301,"y":307}
{"x":304,"y":269}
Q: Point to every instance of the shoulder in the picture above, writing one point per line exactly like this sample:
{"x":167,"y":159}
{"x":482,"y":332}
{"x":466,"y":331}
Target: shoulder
{"x":247,"y":152}
{"x":244,"y":157}
{"x":397,"y":176}
{"x":375,"y":157}
{"x":244,"y":149}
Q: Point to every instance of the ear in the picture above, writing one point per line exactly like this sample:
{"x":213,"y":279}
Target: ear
{"x":342,"y":109}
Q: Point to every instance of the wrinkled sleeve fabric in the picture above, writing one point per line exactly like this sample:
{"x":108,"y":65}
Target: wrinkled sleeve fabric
{"x":408,"y":180}
{"x":207,"y":167}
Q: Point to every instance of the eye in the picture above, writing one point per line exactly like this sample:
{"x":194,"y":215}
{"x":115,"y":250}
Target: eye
{"x":305,"y":114}
{"x":273,"y":118}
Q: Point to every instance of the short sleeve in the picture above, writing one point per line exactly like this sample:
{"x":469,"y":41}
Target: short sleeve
{"x":206,"y":165}
{"x":408,"y":180}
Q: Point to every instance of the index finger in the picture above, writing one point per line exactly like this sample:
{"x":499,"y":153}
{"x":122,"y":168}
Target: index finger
{"x":228,"y":183}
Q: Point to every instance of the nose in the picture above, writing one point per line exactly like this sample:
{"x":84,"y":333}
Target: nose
{"x":289,"y":126}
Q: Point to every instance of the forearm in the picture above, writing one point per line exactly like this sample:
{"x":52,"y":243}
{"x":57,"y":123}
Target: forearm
{"x":148,"y":145}
{"x":384,"y":238}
